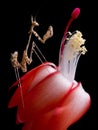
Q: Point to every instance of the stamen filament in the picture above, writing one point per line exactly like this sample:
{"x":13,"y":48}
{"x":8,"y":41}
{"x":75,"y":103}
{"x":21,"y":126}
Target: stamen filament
{"x":73,"y":49}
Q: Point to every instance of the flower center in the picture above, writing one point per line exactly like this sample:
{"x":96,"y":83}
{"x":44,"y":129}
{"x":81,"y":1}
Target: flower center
{"x":73,"y":48}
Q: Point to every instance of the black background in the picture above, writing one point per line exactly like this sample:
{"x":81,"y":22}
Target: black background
{"x":15,"y":24}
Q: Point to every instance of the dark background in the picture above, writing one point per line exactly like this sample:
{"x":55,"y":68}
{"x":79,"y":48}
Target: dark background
{"x":15,"y":24}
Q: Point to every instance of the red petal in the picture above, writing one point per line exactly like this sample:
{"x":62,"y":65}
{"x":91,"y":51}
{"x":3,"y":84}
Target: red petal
{"x":76,"y":105}
{"x":30,"y":79}
{"x":45,"y":96}
{"x":44,"y":121}
{"x":60,"y":118}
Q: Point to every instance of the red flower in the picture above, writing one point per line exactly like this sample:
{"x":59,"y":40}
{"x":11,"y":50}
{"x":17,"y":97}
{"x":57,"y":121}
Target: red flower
{"x":51,"y":98}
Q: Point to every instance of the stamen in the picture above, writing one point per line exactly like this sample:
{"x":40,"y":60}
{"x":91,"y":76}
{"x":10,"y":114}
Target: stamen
{"x":73,"y":48}
{"x":75,"y":43}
